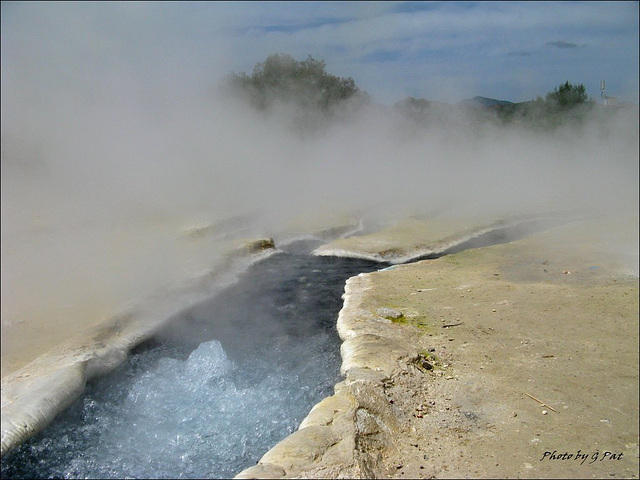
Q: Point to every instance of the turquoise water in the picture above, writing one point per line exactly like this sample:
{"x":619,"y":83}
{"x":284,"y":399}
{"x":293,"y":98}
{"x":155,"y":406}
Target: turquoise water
{"x":213,"y":392}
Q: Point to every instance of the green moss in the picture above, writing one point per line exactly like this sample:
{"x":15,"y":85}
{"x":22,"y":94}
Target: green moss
{"x":421,"y":322}
{"x":402,"y":319}
{"x":429,"y":356}
{"x":425,"y":361}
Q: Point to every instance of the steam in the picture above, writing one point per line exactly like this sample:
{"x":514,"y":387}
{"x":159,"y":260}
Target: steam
{"x":105,"y":161}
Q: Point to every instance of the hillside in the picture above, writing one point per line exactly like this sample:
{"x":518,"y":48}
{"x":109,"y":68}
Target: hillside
{"x":483,"y":102}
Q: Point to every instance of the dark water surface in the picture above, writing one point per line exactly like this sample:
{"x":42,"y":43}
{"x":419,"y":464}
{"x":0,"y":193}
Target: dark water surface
{"x":213,"y":392}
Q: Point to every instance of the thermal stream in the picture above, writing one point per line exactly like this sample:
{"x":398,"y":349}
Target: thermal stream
{"x":221,"y":384}
{"x":213,"y":392}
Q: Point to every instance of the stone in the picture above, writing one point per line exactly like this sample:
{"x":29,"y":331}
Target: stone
{"x":389,"y":313}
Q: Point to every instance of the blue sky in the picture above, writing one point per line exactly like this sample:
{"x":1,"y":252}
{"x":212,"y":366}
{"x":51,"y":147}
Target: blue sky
{"x":444,"y":51}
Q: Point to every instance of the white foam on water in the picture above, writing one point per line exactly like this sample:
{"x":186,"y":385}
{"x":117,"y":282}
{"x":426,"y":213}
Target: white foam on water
{"x":209,"y":396}
{"x":203,"y":416}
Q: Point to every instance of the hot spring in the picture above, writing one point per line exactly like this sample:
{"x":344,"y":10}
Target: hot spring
{"x":211,"y":393}
{"x":222,"y":383}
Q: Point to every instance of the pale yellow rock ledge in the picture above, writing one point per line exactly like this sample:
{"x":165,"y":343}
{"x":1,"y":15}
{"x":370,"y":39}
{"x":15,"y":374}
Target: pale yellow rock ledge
{"x":360,"y":432}
{"x":348,"y":434}
{"x":412,"y":239}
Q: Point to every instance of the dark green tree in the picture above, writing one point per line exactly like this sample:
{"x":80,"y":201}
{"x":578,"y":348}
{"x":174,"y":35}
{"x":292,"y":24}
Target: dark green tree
{"x":280,"y":78}
{"x":568,"y":95}
{"x":567,"y":104}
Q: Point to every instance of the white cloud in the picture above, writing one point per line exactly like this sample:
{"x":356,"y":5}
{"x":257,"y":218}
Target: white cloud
{"x":449,"y":35}
{"x":380,"y":44}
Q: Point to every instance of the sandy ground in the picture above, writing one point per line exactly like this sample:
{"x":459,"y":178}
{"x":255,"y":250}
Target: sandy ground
{"x":550,"y":319}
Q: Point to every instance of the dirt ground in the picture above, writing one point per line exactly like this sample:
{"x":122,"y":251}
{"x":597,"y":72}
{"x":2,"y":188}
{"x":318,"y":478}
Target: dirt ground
{"x":534,"y":348}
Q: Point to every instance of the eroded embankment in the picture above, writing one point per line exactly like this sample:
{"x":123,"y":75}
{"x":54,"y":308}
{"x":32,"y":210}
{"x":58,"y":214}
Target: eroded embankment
{"x":439,"y":357}
{"x":347,"y":434}
{"x":35,"y":394}
{"x":413,"y":239}
{"x":350,"y":433}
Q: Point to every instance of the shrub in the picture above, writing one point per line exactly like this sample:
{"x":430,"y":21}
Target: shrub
{"x":280,"y":78}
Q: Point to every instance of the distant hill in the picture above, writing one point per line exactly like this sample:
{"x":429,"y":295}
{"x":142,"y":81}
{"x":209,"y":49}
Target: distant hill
{"x":483,"y":102}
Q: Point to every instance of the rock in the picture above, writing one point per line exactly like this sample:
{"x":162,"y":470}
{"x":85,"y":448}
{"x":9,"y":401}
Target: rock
{"x":422,"y":362}
{"x":247,"y":247}
{"x":258,"y":245}
{"x":262,"y":471}
{"x":389,"y":313}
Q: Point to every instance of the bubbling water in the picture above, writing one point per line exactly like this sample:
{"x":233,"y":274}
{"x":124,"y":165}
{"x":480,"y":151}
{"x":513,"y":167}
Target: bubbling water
{"x":188,"y":405}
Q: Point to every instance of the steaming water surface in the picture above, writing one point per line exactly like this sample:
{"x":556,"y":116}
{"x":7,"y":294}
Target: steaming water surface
{"x":210,"y":394}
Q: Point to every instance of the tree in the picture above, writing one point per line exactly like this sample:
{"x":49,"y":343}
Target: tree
{"x":568,"y":95}
{"x":566,"y":105}
{"x":280,"y":78}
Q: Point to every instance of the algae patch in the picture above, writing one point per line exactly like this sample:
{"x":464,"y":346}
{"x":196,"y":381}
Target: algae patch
{"x":426,"y":361}
{"x":395,"y":315}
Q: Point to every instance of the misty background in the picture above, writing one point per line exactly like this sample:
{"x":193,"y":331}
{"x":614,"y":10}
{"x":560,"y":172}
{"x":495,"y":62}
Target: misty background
{"x":117,"y":137}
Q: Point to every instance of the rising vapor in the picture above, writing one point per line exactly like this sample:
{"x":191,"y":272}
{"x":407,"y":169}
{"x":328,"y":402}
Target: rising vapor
{"x":109,"y":155}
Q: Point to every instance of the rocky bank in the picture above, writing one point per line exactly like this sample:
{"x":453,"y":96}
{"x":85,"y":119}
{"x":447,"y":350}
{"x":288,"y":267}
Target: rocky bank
{"x":33,"y":395}
{"x":513,"y":360}
{"x":518,"y":360}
